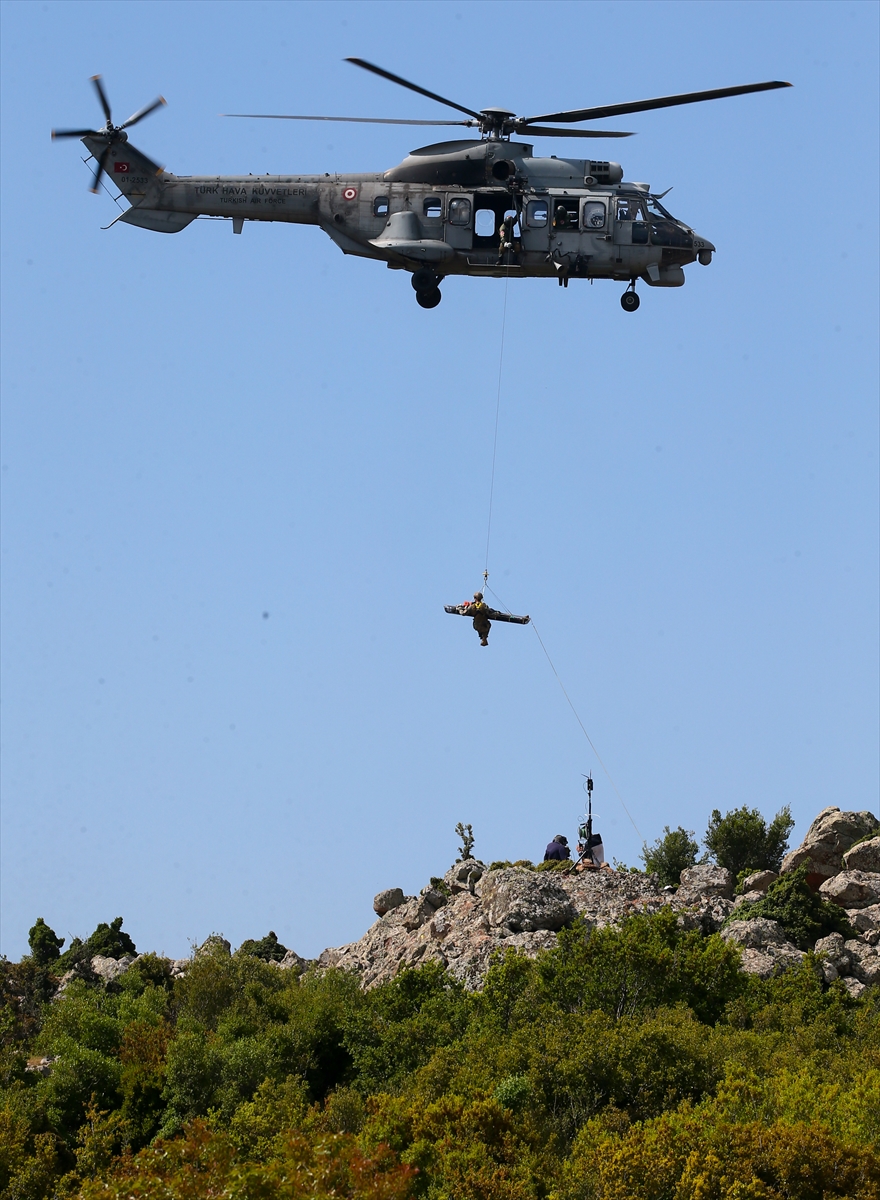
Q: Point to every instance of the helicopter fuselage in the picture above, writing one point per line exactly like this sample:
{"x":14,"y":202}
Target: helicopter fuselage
{"x":442,"y":212}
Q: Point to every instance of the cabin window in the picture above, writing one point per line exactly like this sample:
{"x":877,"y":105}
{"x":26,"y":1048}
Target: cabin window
{"x":433,"y":208}
{"x":380,"y":206}
{"x":459,"y":211}
{"x":631,"y":208}
{"x":537,"y":214}
{"x":484,"y":223}
{"x":594,"y":214}
{"x":512,"y":214}
{"x":565,"y":212}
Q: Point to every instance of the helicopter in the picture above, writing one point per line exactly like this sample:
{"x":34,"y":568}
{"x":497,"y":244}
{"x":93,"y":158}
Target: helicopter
{"x":462,"y":207}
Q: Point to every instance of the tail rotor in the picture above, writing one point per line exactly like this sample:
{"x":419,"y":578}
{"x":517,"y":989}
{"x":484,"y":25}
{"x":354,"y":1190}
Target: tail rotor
{"x":111,"y":134}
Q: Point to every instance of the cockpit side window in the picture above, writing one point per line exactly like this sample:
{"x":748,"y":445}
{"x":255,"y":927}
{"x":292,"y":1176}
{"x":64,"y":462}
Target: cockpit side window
{"x":594,"y":214}
{"x":631,"y":208}
{"x":459,"y":211}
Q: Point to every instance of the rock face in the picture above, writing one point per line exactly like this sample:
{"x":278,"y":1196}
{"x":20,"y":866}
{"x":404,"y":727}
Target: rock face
{"x":109,"y":969}
{"x":705,"y":880}
{"x":524,"y":901}
{"x":828,"y":839}
{"x":766,"y":950}
{"x":852,"y":889}
{"x":864,"y":857}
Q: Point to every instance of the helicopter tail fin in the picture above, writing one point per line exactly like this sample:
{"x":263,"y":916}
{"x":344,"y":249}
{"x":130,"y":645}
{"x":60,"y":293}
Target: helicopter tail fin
{"x":125,"y":166}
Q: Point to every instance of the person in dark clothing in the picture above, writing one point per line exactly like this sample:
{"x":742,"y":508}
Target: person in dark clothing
{"x":477,"y":609}
{"x":557,"y":849}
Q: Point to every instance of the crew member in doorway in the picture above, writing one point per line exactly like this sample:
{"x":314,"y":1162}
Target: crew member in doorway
{"x":479,"y":611}
{"x":557,"y":849}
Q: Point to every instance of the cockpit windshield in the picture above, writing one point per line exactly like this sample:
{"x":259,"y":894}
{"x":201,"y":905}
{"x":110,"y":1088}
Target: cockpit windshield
{"x":641,"y":208}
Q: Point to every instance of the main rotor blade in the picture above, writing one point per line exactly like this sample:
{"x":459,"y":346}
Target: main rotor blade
{"x":144,"y":112}
{"x":105,"y":103}
{"x":358,"y":120}
{"x":618,"y":110}
{"x":96,"y":182}
{"x":546,"y":131}
{"x":413,"y":87}
{"x":77,"y":133}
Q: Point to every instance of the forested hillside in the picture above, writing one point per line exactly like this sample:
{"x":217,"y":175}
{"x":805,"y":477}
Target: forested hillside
{"x":631,"y":1061}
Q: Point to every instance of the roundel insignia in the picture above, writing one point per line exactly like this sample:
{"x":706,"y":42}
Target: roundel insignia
{"x":350,"y":193}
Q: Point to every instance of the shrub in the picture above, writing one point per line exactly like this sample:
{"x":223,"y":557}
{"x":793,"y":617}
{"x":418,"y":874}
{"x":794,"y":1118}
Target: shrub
{"x":269,"y":949}
{"x":107,"y":940}
{"x":743,"y":839}
{"x":44,"y":943}
{"x":646,"y":962}
{"x":671,"y":854}
{"x":803,"y":914}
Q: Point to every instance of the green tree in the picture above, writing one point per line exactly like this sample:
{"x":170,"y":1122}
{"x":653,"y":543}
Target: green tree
{"x":742,"y":839}
{"x":44,"y":943}
{"x":269,"y":949}
{"x":466,"y":835}
{"x":671,"y":854}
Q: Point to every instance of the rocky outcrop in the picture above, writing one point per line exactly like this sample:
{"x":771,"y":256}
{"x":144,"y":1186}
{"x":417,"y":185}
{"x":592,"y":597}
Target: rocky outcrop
{"x":766,"y":951}
{"x":464,"y":876}
{"x":852,"y":889}
{"x":109,"y":969}
{"x":523,"y":901}
{"x":828,"y":839}
{"x":705,"y":880}
{"x":463,"y":919}
{"x":863,"y":857}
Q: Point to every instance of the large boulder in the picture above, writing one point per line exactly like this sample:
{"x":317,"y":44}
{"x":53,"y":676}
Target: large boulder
{"x":828,"y":839}
{"x":523,"y":901}
{"x":292,"y":961}
{"x":384,"y":902}
{"x":705,"y":880}
{"x":836,"y":954}
{"x":865,"y":920}
{"x":464,"y":876}
{"x":865,"y":961}
{"x":852,"y":889}
{"x":109,"y":969}
{"x":759,"y":881}
{"x":863,"y":857}
{"x":765,"y":949}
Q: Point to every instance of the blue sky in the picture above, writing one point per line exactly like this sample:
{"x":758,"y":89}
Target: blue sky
{"x":199,"y":429}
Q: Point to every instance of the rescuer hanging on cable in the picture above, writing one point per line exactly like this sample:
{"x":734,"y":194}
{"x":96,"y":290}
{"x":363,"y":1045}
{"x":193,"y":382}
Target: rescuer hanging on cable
{"x":483,"y":616}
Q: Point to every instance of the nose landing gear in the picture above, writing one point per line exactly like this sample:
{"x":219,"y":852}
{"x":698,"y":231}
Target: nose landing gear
{"x":425,"y":282}
{"x":630,"y":301}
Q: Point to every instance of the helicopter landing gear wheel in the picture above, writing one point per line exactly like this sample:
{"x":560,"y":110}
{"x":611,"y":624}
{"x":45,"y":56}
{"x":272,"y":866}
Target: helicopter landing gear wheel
{"x":424,"y":279}
{"x":629,"y":301}
{"x":430,"y":298}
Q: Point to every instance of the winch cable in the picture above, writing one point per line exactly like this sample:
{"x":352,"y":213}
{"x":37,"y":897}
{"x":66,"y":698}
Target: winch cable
{"x":577,"y":718}
{"x":497,"y":414}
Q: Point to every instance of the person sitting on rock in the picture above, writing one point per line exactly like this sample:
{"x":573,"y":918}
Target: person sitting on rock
{"x":557,"y":850}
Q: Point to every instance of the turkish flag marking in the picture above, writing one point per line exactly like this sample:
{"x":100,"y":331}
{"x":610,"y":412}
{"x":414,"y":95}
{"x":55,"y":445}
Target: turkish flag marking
{"x":120,"y":168}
